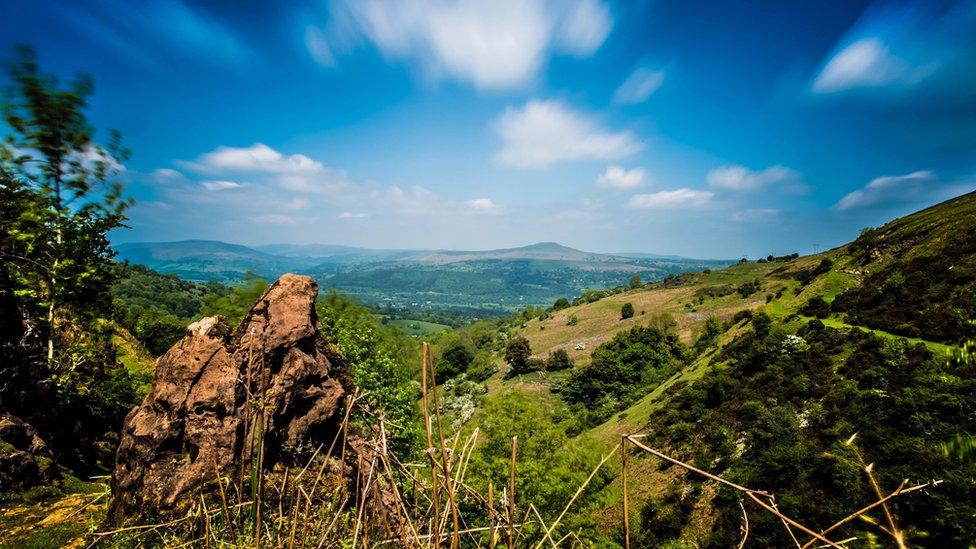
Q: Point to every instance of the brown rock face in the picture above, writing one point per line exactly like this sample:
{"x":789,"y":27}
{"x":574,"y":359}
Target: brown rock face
{"x":215,"y":386}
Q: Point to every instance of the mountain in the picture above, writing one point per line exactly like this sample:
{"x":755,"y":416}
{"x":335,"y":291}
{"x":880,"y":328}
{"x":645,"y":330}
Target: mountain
{"x":492,"y":280}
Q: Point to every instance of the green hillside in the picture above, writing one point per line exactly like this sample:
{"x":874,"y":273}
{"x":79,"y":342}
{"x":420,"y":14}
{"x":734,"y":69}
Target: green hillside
{"x":785,"y":359}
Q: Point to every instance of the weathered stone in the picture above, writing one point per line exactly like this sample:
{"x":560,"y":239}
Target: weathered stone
{"x":208,"y":388}
{"x":25,"y":460}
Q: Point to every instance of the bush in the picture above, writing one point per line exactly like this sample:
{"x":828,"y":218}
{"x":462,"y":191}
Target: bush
{"x":572,"y":321}
{"x":482,"y":367}
{"x":816,"y":307}
{"x":625,"y":367}
{"x":558,"y":360}
{"x":627,"y":311}
{"x":454,"y":360}
{"x":517,"y":355}
{"x":560,"y":303}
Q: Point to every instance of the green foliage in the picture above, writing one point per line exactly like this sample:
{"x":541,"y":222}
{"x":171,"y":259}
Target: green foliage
{"x":548,"y":472}
{"x":573,"y":320}
{"x":235,"y":303}
{"x":517,"y":354}
{"x":746,"y":289}
{"x":384,"y":365}
{"x":561,"y":303}
{"x":817,"y":307}
{"x":776,"y":417}
{"x":663,"y":321}
{"x":636,"y":282}
{"x":454,"y":360}
{"x":623,"y":369}
{"x":558,"y":360}
{"x":59,"y":198}
{"x":68,"y":199}
{"x":710,"y":332}
{"x":929,"y":296}
{"x":626,"y":311}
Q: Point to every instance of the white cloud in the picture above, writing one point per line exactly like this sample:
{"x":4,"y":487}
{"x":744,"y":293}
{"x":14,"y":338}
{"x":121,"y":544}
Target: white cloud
{"x":220,"y":185}
{"x":864,"y":63}
{"x":584,"y":27}
{"x":546,"y":132}
{"x":741,"y":178}
{"x":258,"y":158}
{"x":760,"y":214}
{"x":639,"y":86}
{"x":678,"y":198}
{"x":352,"y":215}
{"x":481,"y":204}
{"x":616,"y":177}
{"x":492,"y":45}
{"x":888,"y":189}
{"x":166,"y":175}
{"x":318,"y":47}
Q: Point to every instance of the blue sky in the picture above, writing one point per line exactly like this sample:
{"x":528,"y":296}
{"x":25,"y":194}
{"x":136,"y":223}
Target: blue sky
{"x":708,"y":129}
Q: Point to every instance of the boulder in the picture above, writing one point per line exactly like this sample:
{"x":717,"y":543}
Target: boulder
{"x":25,"y":460}
{"x":272,"y":378}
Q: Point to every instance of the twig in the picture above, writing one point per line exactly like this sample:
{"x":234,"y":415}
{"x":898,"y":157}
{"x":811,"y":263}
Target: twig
{"x":745,"y":525}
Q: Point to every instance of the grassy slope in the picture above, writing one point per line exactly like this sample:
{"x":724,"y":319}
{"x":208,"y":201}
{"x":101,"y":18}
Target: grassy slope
{"x":599,"y":321}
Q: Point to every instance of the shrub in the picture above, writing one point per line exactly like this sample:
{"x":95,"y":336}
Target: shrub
{"x":816,"y":307}
{"x":627,"y":311}
{"x":517,"y":354}
{"x":558,"y":360}
{"x":572,"y":321}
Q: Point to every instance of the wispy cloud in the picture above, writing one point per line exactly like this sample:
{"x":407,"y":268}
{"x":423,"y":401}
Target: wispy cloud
{"x":492,"y":45}
{"x":352,"y":215}
{"x":679,"y":198}
{"x":901,"y":46}
{"x":741,"y":178}
{"x":617,"y":177}
{"x":888,"y":189}
{"x":213,"y":185}
{"x":143,"y":31}
{"x":541,"y":133}
{"x":638,"y":86}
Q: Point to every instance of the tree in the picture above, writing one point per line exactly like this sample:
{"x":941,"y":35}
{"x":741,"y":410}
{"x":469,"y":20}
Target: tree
{"x":517,"y":355}
{"x":626,"y":311}
{"x":559,"y":360}
{"x":636,"y":282}
{"x":454,"y":361}
{"x":560,"y":303}
{"x":61,"y":258}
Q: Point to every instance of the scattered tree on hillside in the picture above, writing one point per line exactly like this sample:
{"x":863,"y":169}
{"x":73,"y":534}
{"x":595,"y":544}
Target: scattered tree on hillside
{"x":558,"y":360}
{"x":560,"y":303}
{"x":454,"y":360}
{"x":636,"y":282}
{"x":627,"y":311}
{"x":517,"y":355}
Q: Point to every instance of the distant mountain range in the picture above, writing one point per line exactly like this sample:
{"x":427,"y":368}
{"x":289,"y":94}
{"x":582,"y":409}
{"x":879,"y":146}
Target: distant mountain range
{"x":489,"y":280}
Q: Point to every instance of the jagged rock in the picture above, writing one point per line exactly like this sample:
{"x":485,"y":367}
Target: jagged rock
{"x":206,"y":398}
{"x":25,"y":460}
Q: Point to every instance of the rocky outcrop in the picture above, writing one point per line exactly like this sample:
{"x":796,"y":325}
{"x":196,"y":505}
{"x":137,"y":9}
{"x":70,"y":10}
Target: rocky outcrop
{"x":273,"y":377}
{"x":25,"y":460}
